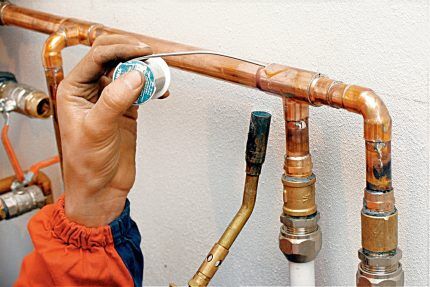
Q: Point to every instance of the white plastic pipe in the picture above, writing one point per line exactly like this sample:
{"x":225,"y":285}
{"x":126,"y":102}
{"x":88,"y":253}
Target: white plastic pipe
{"x":302,"y":274}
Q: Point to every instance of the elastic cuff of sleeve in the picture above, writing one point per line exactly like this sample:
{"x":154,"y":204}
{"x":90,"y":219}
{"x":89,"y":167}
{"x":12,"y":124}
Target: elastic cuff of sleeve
{"x":87,"y":237}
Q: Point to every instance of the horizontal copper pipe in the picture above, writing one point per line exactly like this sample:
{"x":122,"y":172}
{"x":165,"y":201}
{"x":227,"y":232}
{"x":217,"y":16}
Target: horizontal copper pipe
{"x":282,"y":80}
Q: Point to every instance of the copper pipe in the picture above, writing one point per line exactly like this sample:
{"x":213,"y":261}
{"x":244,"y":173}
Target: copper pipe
{"x":306,"y":86}
{"x":67,"y":33}
{"x":300,"y":237}
{"x":301,"y":85}
{"x":6,"y":183}
{"x":298,"y":160}
{"x":298,"y":179}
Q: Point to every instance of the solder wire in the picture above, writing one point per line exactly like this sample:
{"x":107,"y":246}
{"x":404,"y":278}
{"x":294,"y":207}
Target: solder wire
{"x":197,"y":52}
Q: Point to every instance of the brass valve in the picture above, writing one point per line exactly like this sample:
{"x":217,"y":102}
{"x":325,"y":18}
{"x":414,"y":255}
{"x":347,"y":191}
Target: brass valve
{"x":20,"y":201}
{"x":22,"y":98}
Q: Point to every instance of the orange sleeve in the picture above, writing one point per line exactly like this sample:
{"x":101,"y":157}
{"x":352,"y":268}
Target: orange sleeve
{"x":68,"y":254}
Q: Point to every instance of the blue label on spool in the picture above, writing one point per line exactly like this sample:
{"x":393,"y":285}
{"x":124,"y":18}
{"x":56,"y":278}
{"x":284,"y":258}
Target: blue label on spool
{"x":149,"y":88}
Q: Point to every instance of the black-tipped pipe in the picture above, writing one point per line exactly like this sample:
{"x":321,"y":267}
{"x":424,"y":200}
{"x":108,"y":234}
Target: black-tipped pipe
{"x":256,"y":145}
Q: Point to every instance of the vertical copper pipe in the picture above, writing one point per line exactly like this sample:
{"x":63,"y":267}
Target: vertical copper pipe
{"x":300,"y":236}
{"x":298,"y":179}
{"x":53,"y":64}
{"x":298,"y":159}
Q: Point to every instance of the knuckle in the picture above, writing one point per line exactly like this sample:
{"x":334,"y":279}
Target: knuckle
{"x":96,"y":54}
{"x":100,"y":39}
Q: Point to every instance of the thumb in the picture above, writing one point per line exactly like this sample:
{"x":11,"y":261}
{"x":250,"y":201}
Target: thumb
{"x":117,"y":97}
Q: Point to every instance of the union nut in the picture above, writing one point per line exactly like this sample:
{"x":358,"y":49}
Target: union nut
{"x":300,"y":238}
{"x":380,"y":270}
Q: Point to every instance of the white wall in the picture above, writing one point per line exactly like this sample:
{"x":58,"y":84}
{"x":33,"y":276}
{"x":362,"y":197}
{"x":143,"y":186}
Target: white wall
{"x":191,"y":146}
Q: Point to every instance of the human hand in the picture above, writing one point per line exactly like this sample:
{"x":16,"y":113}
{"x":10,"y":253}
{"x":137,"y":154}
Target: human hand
{"x":98,"y":131}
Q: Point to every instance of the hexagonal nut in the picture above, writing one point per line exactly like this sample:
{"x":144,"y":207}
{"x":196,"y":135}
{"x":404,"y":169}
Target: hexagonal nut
{"x":300,"y":248}
{"x":379,"y":261}
{"x":300,"y":222}
{"x":365,"y":279}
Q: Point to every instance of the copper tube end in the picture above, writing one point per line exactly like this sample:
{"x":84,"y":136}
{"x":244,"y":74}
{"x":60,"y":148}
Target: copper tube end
{"x":3,"y":4}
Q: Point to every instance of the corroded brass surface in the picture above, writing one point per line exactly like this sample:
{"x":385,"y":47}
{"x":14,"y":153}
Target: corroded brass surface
{"x":299,"y":196}
{"x":379,"y":233}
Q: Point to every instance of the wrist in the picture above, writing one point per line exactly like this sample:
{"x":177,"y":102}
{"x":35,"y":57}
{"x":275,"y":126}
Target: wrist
{"x":93,"y":211}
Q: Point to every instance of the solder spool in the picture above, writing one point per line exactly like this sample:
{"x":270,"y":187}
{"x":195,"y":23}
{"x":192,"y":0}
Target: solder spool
{"x":157,"y":77}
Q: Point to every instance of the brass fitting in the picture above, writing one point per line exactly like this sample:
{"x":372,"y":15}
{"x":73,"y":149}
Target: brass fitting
{"x":299,"y":195}
{"x":300,"y":238}
{"x":378,"y":269}
{"x":298,"y":165}
{"x":25,"y":99}
{"x":379,"y":231}
{"x":378,"y":201}
{"x":20,"y":201}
